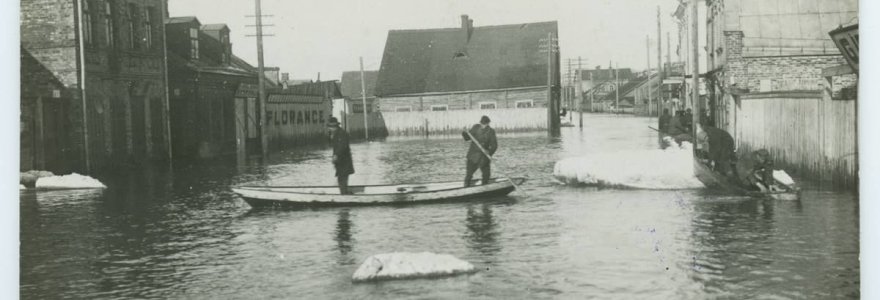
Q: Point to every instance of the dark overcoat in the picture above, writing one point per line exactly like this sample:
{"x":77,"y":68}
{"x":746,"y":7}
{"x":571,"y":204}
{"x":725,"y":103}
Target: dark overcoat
{"x":486,"y":138}
{"x":342,"y":150}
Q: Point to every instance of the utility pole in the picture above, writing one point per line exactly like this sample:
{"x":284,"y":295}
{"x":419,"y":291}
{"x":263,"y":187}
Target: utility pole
{"x":659,"y":62}
{"x":695,"y":69}
{"x":616,"y":91}
{"x":648,"y":54}
{"x":552,"y":104}
{"x":364,"y":100}
{"x":261,"y":102}
{"x":592,"y":92}
{"x":580,"y":95}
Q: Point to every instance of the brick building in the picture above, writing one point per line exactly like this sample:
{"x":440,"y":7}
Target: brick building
{"x":466,"y":68}
{"x":94,"y":73}
{"x":213,"y":92}
{"x":765,"y":46}
{"x":775,"y":82}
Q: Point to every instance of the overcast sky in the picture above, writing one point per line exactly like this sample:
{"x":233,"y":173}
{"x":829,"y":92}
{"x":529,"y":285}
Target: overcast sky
{"x":314,"y":36}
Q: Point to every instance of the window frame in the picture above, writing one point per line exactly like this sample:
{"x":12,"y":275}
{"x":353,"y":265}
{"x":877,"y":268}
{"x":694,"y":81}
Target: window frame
{"x":531,"y":103}
{"x":88,"y":35}
{"x":403,"y":108}
{"x":444,"y":106}
{"x":193,"y":43}
{"x":149,"y":14}
{"x":109,"y":26}
{"x":132,"y":25}
{"x":494,"y":105}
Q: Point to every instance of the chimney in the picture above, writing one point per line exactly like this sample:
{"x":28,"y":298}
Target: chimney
{"x":285,"y":77}
{"x":467,"y":26}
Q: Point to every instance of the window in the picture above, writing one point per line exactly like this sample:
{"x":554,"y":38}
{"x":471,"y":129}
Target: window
{"x":442,"y":107}
{"x":148,"y":28}
{"x":224,"y":40}
{"x":525,"y":104}
{"x":109,"y":30}
{"x":132,"y":31}
{"x":358,"y":108}
{"x":403,"y":109}
{"x":487,"y":105}
{"x":194,"y":43}
{"x":87,"y":23}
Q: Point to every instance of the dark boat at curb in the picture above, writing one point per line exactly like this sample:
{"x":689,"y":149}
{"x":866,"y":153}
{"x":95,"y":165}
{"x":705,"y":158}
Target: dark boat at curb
{"x":719,"y":182}
{"x":365,"y":195}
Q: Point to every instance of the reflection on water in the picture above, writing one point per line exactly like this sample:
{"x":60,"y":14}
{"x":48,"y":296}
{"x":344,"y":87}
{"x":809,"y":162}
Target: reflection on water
{"x":482,"y":234}
{"x":343,"y":232}
{"x":181,"y":233}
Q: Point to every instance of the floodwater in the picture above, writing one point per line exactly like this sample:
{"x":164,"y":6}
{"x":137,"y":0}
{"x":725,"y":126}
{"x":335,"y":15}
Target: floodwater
{"x":183,"y":234}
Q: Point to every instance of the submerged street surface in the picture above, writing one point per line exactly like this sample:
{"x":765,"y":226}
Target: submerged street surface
{"x":183,"y":234}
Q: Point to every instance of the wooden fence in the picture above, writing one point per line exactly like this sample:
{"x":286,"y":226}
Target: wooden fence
{"x":454,"y":121}
{"x":809,"y":135}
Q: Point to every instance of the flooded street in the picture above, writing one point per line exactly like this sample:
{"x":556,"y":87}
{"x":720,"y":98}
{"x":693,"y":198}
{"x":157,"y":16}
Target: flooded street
{"x":183,"y":234}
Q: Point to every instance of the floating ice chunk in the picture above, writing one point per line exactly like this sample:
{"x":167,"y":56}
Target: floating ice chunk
{"x":71,"y":181}
{"x":782,"y":177}
{"x":403,"y":265}
{"x":672,"y":168}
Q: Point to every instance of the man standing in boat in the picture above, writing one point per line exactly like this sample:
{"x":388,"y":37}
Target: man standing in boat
{"x":341,"y":155}
{"x":484,"y":136}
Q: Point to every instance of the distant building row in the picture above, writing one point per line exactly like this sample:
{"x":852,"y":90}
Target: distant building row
{"x":117,"y":82}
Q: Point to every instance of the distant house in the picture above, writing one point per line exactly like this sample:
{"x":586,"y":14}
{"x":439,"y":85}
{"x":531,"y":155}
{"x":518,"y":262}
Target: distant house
{"x":351,"y":109}
{"x":601,"y":82}
{"x":352,"y":90}
{"x":212,"y":92}
{"x":466,"y":68}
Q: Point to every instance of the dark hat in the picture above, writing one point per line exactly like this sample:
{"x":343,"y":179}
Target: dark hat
{"x":333,"y":122}
{"x":484,"y":120}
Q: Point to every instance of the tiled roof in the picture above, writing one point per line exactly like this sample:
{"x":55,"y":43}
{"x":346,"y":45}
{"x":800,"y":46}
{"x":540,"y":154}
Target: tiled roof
{"x":446,"y":60}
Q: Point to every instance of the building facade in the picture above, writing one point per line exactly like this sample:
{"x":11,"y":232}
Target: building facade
{"x":105,"y":103}
{"x":213,"y":92}
{"x":769,"y":87}
{"x":469,"y":68}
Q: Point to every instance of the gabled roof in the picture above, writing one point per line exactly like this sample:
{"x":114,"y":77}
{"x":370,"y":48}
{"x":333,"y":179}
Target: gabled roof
{"x":351,"y":83}
{"x":219,"y":26}
{"x":187,"y":19}
{"x":446,"y":60}
{"x":320,"y":88}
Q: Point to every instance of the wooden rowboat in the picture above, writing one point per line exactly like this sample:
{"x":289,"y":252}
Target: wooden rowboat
{"x":719,"y":182}
{"x":329,"y":196}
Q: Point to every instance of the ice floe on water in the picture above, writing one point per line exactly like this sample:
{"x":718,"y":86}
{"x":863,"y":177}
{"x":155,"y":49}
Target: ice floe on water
{"x":671,"y":168}
{"x":70,"y":181}
{"x":404,"y":265}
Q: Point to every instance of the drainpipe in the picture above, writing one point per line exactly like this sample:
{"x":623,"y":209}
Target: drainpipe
{"x":82,"y":82}
{"x":167,"y":117}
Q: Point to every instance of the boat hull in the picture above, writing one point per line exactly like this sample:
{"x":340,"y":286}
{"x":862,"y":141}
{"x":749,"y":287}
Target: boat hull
{"x":296,"y":197}
{"x":715,"y":181}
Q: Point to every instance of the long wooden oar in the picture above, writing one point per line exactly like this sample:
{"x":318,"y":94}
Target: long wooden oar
{"x":474,"y":140}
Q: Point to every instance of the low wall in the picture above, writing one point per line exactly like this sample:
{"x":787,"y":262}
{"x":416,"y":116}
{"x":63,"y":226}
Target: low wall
{"x":810,"y":135}
{"x":354,"y":124}
{"x":454,"y":121}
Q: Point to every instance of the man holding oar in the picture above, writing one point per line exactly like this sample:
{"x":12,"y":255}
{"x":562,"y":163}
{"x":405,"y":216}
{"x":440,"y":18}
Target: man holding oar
{"x":484,"y":136}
